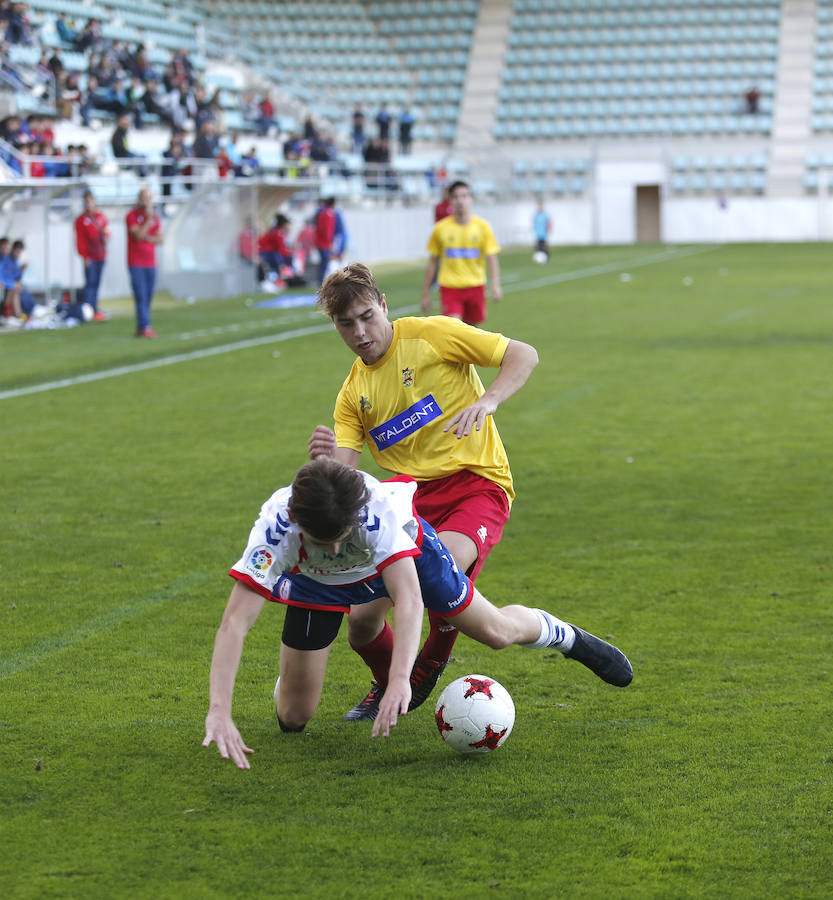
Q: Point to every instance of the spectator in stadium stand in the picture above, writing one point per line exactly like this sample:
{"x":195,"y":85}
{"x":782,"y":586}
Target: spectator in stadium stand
{"x":19,"y":30}
{"x":117,"y":99}
{"x":90,"y":36}
{"x":753,"y":100}
{"x":229,"y":159}
{"x":103,"y":71}
{"x":91,"y":235}
{"x":266,"y":114}
{"x":70,"y":97}
{"x":144,"y":233}
{"x":249,"y":163}
{"x":119,"y":143}
{"x":443,"y":208}
{"x":207,"y":144}
{"x":325,"y":229}
{"x":383,"y":122}
{"x":93,"y":98}
{"x":406,"y":125}
{"x":150,"y":103}
{"x":137,"y":64}
{"x":172,"y":167}
{"x":206,"y":107}
{"x":66,"y":30}
{"x":322,"y":149}
{"x":310,"y":131}
{"x":460,"y":248}
{"x":357,"y":134}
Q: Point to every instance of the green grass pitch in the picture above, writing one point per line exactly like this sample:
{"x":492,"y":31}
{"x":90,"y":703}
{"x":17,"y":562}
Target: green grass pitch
{"x":672,"y":463}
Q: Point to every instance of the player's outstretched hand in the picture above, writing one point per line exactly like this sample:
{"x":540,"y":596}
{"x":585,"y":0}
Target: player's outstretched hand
{"x":471,"y":417}
{"x":224,"y":733}
{"x":322,"y":442}
{"x":394,"y":703}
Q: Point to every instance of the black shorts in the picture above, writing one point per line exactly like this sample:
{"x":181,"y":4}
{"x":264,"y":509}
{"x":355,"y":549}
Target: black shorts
{"x":310,"y":629}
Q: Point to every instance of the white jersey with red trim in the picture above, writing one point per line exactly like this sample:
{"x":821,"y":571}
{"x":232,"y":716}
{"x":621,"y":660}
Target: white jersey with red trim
{"x":389,"y":531}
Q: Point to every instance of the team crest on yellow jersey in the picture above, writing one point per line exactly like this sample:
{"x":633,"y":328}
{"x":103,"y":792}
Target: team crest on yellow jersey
{"x":408,"y":377}
{"x":365,"y":405}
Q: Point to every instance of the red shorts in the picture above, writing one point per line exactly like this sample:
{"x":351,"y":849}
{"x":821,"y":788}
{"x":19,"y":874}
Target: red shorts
{"x":468,"y":304}
{"x":469,"y":504}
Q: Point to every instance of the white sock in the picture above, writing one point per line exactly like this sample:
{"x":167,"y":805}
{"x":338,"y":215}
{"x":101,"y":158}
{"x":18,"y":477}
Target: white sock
{"x":554,"y":633}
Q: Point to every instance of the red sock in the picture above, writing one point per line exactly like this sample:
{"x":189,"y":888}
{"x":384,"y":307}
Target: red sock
{"x":377,"y":654}
{"x":440,"y":641}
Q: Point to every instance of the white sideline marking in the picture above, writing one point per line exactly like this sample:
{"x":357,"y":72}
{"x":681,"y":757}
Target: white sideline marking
{"x":165,"y":361}
{"x":606,"y":268}
{"x":318,"y":329}
{"x":179,"y":357}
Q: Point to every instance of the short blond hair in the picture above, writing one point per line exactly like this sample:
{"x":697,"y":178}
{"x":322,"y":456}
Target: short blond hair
{"x":353,"y":282}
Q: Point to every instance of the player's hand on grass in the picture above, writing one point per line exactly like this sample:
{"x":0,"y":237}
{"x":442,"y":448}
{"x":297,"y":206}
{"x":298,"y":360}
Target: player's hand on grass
{"x":322,"y":442}
{"x":220,"y":729}
{"x":471,"y":417}
{"x":394,"y":703}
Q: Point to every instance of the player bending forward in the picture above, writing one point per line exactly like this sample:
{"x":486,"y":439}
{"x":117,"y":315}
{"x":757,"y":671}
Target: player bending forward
{"x":338,"y":537}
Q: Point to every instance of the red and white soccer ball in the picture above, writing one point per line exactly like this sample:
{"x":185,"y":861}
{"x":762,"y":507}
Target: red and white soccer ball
{"x":475,"y":714}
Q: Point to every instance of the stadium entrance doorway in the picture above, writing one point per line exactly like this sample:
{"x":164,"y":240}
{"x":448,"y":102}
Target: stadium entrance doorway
{"x":648,"y":224}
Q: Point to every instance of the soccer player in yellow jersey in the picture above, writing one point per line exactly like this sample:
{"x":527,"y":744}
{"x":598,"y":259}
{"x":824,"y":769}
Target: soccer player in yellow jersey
{"x":414,"y":397}
{"x":461,"y":245}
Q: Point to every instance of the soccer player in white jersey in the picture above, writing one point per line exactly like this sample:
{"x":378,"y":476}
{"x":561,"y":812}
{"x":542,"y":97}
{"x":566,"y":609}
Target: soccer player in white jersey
{"x":338,"y":537}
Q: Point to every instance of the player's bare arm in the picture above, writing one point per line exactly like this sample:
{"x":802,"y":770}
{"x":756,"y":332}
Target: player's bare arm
{"x":515,"y":368}
{"x":322,"y":442}
{"x":430,"y":275}
{"x":401,"y":581}
{"x":494,"y":277}
{"x":242,"y":610}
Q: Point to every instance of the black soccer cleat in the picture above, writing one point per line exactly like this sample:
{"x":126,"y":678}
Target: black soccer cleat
{"x":366,"y":709}
{"x":605,"y":660}
{"x":424,"y":678}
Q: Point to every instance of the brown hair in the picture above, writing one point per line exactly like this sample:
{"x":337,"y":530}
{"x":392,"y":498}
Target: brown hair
{"x":328,"y":498}
{"x":353,"y":282}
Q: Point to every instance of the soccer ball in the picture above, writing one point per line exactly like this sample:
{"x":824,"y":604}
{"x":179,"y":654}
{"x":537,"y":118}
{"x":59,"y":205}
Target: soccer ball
{"x":539,"y":256}
{"x":475,"y":714}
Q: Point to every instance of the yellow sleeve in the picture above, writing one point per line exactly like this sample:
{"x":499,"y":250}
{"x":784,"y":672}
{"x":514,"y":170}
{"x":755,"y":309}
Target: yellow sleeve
{"x":348,"y":425}
{"x":457,"y":342}
{"x":434,"y":245}
{"x":490,"y":245}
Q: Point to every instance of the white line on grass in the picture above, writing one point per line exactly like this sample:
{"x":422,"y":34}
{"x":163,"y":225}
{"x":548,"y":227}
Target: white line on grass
{"x":318,"y":329}
{"x":166,"y":361}
{"x":176,"y":358}
{"x":606,"y":268}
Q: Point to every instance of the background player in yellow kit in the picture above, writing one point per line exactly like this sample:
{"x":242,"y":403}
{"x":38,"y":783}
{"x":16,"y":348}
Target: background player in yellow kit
{"x":414,"y":397}
{"x":461,"y":245}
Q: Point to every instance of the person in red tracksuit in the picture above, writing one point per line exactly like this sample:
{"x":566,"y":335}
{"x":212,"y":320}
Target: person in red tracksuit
{"x":91,"y":236}
{"x":325,"y":230}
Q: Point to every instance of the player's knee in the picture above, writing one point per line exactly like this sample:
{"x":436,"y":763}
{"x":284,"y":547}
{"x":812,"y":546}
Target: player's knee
{"x":292,"y":724}
{"x":362,"y":630}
